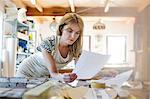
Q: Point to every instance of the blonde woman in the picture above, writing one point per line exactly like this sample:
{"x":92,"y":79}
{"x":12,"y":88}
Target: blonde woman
{"x":56,"y":52}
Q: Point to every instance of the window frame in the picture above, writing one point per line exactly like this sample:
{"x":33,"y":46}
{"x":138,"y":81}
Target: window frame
{"x":125,"y":50}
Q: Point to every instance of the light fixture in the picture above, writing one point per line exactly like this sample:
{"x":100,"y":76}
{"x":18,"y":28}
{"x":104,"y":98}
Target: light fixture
{"x":53,"y":25}
{"x":99,"y":25}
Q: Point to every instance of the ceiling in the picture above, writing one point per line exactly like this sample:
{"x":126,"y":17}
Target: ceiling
{"x":83,"y":7}
{"x":139,"y":4}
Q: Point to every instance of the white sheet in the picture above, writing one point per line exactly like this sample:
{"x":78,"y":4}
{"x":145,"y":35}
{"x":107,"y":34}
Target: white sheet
{"x":118,"y":80}
{"x":89,"y":64}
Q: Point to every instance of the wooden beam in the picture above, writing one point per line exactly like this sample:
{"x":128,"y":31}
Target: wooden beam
{"x":37,"y":5}
{"x":84,"y":11}
{"x":39,"y":8}
{"x":145,"y":4}
{"x":107,"y":5}
{"x":71,"y":3}
{"x":53,"y":11}
{"x":113,"y":11}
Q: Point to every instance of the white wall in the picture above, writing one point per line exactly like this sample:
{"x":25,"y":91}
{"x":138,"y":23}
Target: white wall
{"x":115,"y":28}
{"x":44,"y":29}
{"x":112,"y":27}
{"x":142,"y":45}
{"x":118,"y":27}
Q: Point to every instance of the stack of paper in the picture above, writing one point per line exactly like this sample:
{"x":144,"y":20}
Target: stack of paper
{"x":118,"y":80}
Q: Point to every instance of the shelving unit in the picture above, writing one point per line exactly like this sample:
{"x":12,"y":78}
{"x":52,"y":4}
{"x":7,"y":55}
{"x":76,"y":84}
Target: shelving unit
{"x":17,"y":40}
{"x":22,"y":53}
{"x":26,"y":45}
{"x":22,"y":36}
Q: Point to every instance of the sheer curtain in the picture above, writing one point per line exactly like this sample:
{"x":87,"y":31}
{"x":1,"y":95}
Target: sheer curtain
{"x":1,"y":43}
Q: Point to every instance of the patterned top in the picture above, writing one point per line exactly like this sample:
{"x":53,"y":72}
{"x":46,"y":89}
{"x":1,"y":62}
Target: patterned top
{"x":50,"y":44}
{"x":36,"y":66}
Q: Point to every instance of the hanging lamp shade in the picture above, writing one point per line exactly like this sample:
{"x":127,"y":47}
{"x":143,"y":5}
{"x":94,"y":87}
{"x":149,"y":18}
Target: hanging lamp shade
{"x":99,"y":25}
{"x":53,"y":25}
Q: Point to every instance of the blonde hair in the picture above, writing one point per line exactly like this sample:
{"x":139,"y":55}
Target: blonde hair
{"x":68,"y":18}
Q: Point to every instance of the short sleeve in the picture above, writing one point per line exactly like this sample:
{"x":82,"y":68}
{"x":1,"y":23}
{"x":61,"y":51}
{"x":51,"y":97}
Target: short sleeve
{"x":47,"y":44}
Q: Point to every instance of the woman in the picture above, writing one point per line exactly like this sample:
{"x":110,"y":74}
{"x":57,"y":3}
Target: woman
{"x":57,"y":51}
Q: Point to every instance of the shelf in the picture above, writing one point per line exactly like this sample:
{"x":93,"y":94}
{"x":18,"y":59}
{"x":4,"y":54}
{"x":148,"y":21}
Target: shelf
{"x":24,"y":42}
{"x":19,"y":24}
{"x":7,"y":36}
{"x":22,"y":36}
{"x":31,"y":41}
{"x":12,"y":22}
{"x":10,"y":19}
{"x":23,"y":53}
{"x":10,"y":36}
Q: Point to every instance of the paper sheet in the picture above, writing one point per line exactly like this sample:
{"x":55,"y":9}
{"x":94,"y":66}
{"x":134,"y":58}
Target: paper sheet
{"x":118,"y":80}
{"x":89,"y":64}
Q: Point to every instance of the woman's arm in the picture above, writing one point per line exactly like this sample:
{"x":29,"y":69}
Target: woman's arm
{"x":51,"y":62}
{"x":53,"y":69}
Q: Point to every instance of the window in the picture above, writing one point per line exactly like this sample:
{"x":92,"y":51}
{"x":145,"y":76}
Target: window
{"x":98,"y":44}
{"x":116,"y":47}
{"x":87,"y":42}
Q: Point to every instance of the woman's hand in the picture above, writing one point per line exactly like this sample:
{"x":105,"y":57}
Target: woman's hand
{"x":69,"y":77}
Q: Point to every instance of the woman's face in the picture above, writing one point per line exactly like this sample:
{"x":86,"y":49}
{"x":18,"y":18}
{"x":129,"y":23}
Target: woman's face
{"x":70,"y":33}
